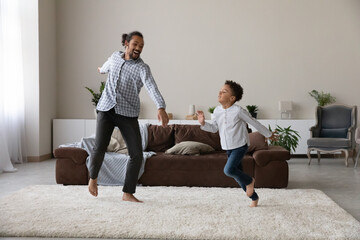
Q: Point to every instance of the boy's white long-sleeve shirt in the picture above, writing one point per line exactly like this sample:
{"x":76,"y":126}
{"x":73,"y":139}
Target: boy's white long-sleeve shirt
{"x":231,"y":124}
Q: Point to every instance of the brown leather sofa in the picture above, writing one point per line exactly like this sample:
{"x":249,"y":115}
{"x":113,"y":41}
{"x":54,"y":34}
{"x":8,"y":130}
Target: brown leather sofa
{"x":267,"y":164}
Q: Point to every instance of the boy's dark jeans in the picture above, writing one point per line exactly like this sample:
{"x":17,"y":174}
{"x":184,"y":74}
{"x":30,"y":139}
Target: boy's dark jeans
{"x":233,"y":168}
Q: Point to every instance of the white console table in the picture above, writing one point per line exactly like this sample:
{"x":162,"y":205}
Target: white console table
{"x":72,"y":130}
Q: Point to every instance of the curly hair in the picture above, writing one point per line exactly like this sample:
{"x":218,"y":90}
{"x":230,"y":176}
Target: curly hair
{"x":128,"y":36}
{"x":236,"y":89}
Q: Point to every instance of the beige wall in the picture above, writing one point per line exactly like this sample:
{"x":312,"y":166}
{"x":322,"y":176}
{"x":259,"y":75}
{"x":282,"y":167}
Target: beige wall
{"x":277,"y":50}
{"x":39,"y":51}
{"x":47,"y":73}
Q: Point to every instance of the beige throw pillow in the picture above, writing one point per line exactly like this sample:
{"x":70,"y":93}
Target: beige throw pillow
{"x":117,"y":143}
{"x":190,"y":148}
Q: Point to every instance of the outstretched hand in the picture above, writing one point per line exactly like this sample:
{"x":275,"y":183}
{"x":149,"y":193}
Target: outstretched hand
{"x":163,"y":117}
{"x":201,"y":117}
{"x":274,"y":137}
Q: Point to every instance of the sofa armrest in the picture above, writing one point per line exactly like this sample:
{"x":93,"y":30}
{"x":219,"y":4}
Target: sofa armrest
{"x":77,"y":155}
{"x":273,"y":153}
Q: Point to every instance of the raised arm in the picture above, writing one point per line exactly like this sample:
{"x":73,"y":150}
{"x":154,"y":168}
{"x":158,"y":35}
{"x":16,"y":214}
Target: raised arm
{"x":208,"y":127}
{"x":105,"y":67}
{"x":245,"y":115}
{"x":201,"y":117}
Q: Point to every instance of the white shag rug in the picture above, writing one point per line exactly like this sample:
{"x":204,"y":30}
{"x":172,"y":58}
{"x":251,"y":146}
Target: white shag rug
{"x":173,"y":213}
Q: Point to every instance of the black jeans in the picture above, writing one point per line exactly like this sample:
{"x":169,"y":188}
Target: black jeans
{"x":129,"y":128}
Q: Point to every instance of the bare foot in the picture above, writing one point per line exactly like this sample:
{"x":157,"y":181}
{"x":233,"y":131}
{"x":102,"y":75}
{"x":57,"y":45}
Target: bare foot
{"x":254,"y":203}
{"x":250,"y":188}
{"x":130,"y":197}
{"x":93,"y":189}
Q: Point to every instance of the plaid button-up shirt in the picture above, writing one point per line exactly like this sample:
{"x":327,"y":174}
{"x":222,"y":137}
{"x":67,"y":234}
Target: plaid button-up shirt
{"x":124,"y":82}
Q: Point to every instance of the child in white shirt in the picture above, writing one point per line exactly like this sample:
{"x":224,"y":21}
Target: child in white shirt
{"x":231,"y":122}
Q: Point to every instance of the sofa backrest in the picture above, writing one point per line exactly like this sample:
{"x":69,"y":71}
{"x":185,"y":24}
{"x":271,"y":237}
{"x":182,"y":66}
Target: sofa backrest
{"x":159,"y":138}
{"x":194,"y":133}
{"x":257,"y":142}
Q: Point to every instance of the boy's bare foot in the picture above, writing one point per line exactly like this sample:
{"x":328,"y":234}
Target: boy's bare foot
{"x":250,"y":188}
{"x":254,"y":203}
{"x":93,"y":189}
{"x":130,"y":197}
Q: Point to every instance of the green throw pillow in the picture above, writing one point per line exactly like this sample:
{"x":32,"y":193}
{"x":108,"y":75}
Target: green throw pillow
{"x":190,"y":148}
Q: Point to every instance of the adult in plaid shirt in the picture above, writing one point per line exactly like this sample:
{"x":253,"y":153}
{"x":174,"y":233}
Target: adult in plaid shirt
{"x":119,"y":106}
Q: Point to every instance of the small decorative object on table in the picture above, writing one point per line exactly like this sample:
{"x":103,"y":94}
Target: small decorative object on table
{"x":285,"y":107}
{"x":96,"y":96}
{"x":211,"y":111}
{"x":191,"y":109}
{"x":253,"y":109}
{"x":191,"y":117}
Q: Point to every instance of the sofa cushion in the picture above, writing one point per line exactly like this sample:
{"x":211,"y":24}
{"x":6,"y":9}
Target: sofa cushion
{"x":334,"y":133}
{"x":257,"y":142}
{"x":117,"y":143}
{"x":194,"y":133}
{"x":160,"y":138}
{"x":203,"y":171}
{"x":190,"y":148}
{"x":329,"y":143}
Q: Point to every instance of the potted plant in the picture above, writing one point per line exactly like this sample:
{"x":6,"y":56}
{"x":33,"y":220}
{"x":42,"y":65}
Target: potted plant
{"x":287,"y":138}
{"x":253,"y":109}
{"x":322,"y":98}
{"x":96,"y":96}
{"x":211,"y":111}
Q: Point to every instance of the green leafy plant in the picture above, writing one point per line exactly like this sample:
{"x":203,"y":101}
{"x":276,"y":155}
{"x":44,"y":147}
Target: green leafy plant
{"x":96,"y":96}
{"x":211,"y":109}
{"x":253,"y":109}
{"x":287,"y":138}
{"x":322,"y":98}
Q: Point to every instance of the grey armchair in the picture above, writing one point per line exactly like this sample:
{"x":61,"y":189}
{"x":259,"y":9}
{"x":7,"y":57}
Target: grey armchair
{"x":357,"y":141}
{"x":334,"y":131}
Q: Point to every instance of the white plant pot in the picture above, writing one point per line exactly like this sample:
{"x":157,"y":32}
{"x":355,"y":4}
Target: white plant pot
{"x":95,"y":113}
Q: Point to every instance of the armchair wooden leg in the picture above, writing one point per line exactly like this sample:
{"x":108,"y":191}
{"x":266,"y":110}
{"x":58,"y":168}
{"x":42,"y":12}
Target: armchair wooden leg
{"x":319,"y":156}
{"x":353,"y":153}
{"x":346,"y":158}
{"x":309,"y":156}
{"x":357,"y":159}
